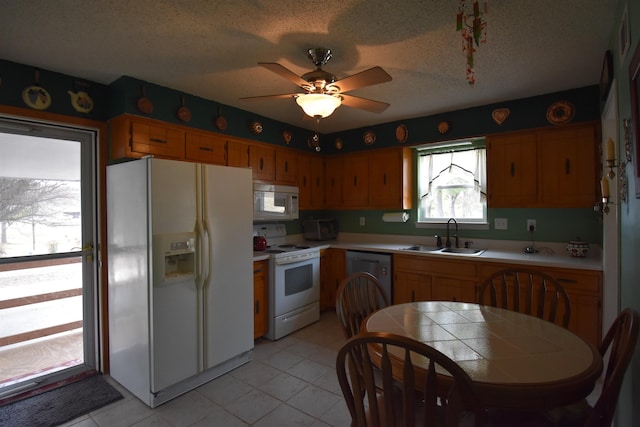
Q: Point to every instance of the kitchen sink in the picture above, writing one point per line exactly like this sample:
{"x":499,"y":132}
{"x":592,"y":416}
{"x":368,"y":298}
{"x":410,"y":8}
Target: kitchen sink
{"x":423,"y":248}
{"x":435,"y":249}
{"x":466,"y":251}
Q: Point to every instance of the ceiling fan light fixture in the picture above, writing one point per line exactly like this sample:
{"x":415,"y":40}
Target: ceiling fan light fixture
{"x":318,"y":105}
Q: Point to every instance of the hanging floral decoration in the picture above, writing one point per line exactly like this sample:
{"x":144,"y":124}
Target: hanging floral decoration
{"x":473,"y":27}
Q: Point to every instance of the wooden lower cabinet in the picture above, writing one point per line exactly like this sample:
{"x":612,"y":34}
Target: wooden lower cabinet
{"x":584,"y":288}
{"x":420,"y":278}
{"x":260,"y":298}
{"x":423,"y":278}
{"x":332,"y":271}
{"x":410,"y":287}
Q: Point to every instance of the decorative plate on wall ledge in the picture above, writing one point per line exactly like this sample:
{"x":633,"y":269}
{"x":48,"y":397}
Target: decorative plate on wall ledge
{"x":560,"y":112}
{"x":369,"y":137}
{"x":402,"y":133}
{"x":500,"y":115}
{"x":255,"y":127}
{"x":443,"y":127}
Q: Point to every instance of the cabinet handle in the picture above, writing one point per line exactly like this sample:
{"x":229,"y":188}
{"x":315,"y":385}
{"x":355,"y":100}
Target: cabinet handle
{"x":413,"y":296}
{"x":304,"y":181}
{"x":355,"y":181}
{"x":158,"y":140}
{"x":206,"y":149}
{"x":573,"y":281}
{"x":261,"y":163}
{"x":384,"y":179}
{"x":567,"y":166}
{"x":257,"y":271}
{"x":286,"y":166}
{"x":513,"y":169}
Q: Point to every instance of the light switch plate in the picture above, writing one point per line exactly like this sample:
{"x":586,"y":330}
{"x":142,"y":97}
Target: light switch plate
{"x":501,"y":223}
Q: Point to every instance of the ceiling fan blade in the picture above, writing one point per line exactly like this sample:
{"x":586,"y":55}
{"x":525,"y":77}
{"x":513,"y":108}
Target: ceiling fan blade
{"x":284,"y":72}
{"x":279,"y":96}
{"x":364,"y":103}
{"x":370,"y":77}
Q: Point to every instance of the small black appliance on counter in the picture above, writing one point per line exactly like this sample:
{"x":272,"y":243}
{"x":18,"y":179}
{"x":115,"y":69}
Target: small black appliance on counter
{"x":320,"y":229}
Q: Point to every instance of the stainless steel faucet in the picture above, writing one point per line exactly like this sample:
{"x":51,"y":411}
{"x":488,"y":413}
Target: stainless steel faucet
{"x":448,"y":242}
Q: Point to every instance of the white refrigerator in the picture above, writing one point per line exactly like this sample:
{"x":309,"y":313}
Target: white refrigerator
{"x":180,"y":274}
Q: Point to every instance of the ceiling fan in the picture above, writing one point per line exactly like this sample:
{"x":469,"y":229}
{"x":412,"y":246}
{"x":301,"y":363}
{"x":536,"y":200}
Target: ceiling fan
{"x":323,"y":92}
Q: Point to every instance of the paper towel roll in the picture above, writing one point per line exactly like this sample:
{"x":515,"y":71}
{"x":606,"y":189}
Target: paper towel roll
{"x":395,"y":217}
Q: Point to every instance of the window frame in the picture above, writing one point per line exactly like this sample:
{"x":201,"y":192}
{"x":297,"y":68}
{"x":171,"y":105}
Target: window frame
{"x":442,"y":147}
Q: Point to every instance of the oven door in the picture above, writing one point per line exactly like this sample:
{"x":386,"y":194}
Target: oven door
{"x":294,"y":285}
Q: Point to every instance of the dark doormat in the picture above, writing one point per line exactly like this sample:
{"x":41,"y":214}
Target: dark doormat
{"x":60,"y":405}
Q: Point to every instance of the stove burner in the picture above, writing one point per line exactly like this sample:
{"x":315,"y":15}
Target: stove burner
{"x":291,"y":246}
{"x":275,"y":251}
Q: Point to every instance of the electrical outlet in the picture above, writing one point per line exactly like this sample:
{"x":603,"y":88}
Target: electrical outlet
{"x":501,"y":223}
{"x":531,"y":225}
{"x":361,"y":220}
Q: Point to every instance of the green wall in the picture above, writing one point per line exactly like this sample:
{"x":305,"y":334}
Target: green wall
{"x":553,"y":225}
{"x":628,"y":408}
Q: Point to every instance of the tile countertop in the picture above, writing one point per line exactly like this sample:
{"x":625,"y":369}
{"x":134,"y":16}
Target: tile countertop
{"x":550,"y":254}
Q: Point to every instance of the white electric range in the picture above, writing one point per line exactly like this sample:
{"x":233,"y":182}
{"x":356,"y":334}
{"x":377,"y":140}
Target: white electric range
{"x":294,"y":281}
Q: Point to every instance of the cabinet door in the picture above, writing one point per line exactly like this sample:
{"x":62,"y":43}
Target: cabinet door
{"x":206,"y":148}
{"x":567,"y":171}
{"x":147,"y":138}
{"x":260,"y":299}
{"x":385,"y":179}
{"x":453,"y":289}
{"x":317,"y":182}
{"x":311,"y":182}
{"x":262,"y":162}
{"x":355,"y":180}
{"x":410,"y":287}
{"x":511,"y":170}
{"x":304,"y":182}
{"x":286,"y":163}
{"x":332,"y":271}
{"x":237,"y":154}
{"x":333,"y":182}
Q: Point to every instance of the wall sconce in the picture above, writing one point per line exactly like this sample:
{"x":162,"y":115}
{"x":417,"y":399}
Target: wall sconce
{"x":604,"y":189}
{"x":611,"y":157}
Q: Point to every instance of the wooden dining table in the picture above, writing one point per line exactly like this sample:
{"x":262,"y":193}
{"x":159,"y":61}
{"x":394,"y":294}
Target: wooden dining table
{"x":516,"y":361}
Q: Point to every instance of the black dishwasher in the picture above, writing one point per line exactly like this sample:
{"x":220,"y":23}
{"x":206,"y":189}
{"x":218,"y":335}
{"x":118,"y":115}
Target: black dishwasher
{"x":378,"y":264}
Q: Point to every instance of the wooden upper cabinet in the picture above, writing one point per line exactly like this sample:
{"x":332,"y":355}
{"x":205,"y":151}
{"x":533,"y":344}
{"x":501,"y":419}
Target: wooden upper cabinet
{"x":206,"y":148}
{"x":567,"y":167}
{"x":385,"y":178}
{"x":286,"y":164}
{"x":511,"y":170}
{"x":355,"y":180}
{"x":311,"y":181}
{"x":262,"y":162}
{"x":333,"y":182}
{"x":140,"y":137}
{"x":317,"y":183}
{"x":237,"y":153}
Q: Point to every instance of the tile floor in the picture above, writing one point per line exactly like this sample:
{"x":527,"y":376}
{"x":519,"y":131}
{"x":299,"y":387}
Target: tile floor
{"x":289,"y":382}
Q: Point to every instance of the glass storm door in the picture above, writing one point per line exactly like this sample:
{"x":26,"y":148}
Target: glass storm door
{"x":47,"y":269}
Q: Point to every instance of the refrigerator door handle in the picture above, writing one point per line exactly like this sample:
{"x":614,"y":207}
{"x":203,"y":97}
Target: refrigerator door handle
{"x":207,"y":228}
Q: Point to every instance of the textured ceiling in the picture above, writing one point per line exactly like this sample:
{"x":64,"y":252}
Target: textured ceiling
{"x":211,"y":49}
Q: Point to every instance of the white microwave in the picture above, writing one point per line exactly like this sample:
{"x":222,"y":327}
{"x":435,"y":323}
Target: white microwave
{"x":274,"y":202}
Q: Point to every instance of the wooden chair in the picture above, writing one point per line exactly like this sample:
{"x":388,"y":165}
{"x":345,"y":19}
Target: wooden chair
{"x":619,"y":345}
{"x":527,"y":291}
{"x":359,"y":295}
{"x":397,"y":397}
